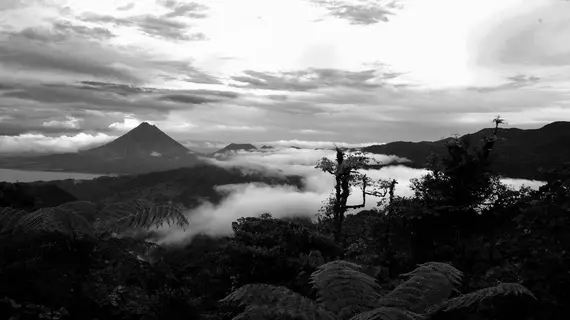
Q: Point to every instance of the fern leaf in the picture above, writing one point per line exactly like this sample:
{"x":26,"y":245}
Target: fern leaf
{"x":343,"y":290}
{"x":388,"y":313}
{"x":477,"y":297}
{"x":138,"y":214}
{"x":427,"y":287}
{"x":263,"y":300}
{"x":454,"y":275}
{"x":9,"y":218}
{"x":55,"y":220}
{"x":86,"y":209}
{"x":256,"y":312}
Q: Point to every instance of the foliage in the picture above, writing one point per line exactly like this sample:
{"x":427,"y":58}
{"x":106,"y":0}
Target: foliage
{"x":138,"y":214}
{"x":81,"y":218}
{"x":346,"y":293}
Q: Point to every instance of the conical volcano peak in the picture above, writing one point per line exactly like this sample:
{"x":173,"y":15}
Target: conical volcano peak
{"x":144,"y":141}
{"x":145,"y":124}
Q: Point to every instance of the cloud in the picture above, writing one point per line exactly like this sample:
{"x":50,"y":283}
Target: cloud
{"x":312,"y":131}
{"x":517,"y":81}
{"x":160,"y":26}
{"x":83,"y":99}
{"x":126,"y":7}
{"x":317,"y":144}
{"x":243,"y":201}
{"x":252,"y":199}
{"x":39,"y":143}
{"x":68,"y":29}
{"x":167,"y":29}
{"x":313,"y":78}
{"x":185,"y":9}
{"x":531,"y":38}
{"x":127,"y":124}
{"x":70,"y":123}
{"x":223,"y":127}
{"x":74,"y":57}
{"x":189,"y":99}
{"x":365,"y":12}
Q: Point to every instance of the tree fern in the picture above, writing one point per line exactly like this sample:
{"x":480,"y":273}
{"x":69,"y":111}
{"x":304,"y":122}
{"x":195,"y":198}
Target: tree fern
{"x":54,"y":219}
{"x":9,"y":217}
{"x":344,"y":290}
{"x":388,"y":313}
{"x":419,"y":292}
{"x":86,"y":209}
{"x":138,"y":214}
{"x":477,"y":297}
{"x":264,"y":301}
{"x":452,"y":274}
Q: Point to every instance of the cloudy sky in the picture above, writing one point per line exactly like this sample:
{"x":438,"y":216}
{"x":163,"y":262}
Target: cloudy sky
{"x":78,"y":72}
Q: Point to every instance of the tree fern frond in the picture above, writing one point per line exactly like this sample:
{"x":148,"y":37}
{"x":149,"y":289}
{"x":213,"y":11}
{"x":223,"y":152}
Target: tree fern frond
{"x":55,"y":220}
{"x":256,"y":312}
{"x":419,"y":293}
{"x":454,"y":275}
{"x":388,"y":313}
{"x":9,"y":218}
{"x":477,"y":297}
{"x":343,"y":290}
{"x":86,"y":209}
{"x":138,"y":214}
{"x":269,"y":300}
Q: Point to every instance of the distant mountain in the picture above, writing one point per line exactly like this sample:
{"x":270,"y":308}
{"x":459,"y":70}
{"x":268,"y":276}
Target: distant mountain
{"x":144,"y":141}
{"x":518,"y":153}
{"x":232,"y":149}
{"x":265,"y":147}
{"x":143,"y":149}
{"x":201,"y":146}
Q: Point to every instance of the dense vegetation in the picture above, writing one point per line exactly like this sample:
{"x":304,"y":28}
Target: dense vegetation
{"x":463,"y":247}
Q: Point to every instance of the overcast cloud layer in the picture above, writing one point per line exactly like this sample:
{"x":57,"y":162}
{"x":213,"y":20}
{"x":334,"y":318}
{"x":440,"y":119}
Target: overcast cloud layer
{"x":307,"y":70}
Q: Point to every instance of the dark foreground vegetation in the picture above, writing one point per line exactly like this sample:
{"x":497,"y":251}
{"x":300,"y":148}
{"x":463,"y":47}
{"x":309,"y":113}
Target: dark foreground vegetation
{"x":463,"y":247}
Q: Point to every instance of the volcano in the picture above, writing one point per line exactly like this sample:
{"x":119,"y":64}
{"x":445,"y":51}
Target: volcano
{"x":142,"y":142}
{"x":143,"y":149}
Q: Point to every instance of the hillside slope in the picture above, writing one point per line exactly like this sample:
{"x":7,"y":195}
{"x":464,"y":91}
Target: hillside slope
{"x":518,"y":153}
{"x":188,"y":186}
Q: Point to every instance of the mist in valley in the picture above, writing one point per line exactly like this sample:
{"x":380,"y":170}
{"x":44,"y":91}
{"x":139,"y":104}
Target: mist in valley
{"x":253,"y":199}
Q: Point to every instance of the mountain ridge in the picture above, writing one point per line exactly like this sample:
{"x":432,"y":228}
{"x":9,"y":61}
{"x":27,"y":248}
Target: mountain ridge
{"x":517,"y":154}
{"x":233,"y":148}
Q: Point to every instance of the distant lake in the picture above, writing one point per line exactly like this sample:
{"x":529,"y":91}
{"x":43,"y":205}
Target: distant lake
{"x":10,"y":175}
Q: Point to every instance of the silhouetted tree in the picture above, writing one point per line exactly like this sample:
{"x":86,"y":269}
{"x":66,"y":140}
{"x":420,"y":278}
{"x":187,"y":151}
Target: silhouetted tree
{"x":346,"y":170}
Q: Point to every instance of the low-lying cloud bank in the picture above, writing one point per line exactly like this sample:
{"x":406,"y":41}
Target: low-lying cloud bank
{"x":317,"y":144}
{"x":39,"y":143}
{"x":252,"y":199}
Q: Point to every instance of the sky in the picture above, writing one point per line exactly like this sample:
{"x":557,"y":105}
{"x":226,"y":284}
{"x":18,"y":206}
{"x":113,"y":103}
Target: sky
{"x":76,"y":73}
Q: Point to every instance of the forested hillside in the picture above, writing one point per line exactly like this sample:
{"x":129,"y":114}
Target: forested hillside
{"x":518,"y":153}
{"x":186,"y":186}
{"x":464,"y":246}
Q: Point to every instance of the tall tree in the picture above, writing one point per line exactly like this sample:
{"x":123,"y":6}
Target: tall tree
{"x":346,"y":170}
